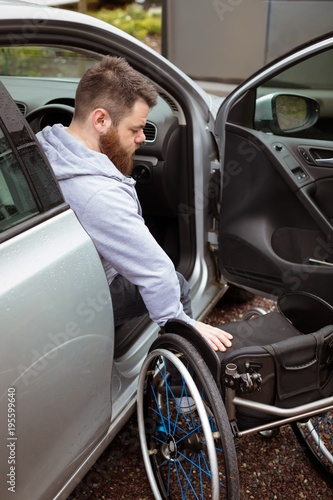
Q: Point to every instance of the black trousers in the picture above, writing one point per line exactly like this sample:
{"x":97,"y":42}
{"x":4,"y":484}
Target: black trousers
{"x":128,"y":304}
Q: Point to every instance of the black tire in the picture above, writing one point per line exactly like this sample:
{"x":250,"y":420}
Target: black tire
{"x":184,"y":431}
{"x":316,"y":438}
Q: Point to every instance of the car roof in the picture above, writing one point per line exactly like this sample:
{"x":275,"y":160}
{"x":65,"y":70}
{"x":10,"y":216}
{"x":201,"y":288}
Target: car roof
{"x":53,"y":3}
{"x":43,"y":3}
{"x":34,"y":11}
{"x":9,"y":10}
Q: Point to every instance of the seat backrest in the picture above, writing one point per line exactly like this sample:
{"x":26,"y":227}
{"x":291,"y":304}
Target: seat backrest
{"x":306,"y":312}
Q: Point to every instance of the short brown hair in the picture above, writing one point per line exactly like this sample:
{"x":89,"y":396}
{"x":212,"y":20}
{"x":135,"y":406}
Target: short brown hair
{"x":112,"y":84}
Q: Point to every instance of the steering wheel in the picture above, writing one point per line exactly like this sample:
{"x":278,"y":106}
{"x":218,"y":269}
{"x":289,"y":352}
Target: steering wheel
{"x":49,"y":115}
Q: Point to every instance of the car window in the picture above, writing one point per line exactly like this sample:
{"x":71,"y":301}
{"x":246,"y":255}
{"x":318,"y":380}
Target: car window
{"x":313,"y":73}
{"x":40,"y":61}
{"x":16,"y":201}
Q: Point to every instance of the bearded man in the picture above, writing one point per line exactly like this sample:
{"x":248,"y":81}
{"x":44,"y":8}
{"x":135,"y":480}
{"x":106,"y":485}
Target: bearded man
{"x":92,"y":160}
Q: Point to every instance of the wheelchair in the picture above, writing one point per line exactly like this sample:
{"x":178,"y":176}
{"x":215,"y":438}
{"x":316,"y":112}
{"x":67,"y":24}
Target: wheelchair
{"x":195,"y":404}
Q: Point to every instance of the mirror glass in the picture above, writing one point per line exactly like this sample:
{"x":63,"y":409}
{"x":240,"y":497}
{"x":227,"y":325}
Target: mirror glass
{"x":291,"y":112}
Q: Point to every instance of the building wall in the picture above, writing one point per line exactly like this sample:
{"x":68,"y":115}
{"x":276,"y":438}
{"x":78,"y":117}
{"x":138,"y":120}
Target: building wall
{"x":228,"y":40}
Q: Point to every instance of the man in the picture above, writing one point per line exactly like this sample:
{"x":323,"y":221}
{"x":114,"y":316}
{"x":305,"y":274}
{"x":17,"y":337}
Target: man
{"x":93,"y":160}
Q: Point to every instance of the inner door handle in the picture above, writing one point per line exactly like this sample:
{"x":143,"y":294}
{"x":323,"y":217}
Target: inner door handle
{"x":324,"y":161}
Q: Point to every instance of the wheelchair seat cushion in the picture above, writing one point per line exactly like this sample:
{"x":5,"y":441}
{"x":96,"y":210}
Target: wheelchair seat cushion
{"x":258,"y":331}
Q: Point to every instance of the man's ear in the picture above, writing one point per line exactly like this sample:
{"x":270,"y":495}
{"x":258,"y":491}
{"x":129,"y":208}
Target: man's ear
{"x":101,"y":120}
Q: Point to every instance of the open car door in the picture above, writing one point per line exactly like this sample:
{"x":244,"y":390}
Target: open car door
{"x":276,"y":141}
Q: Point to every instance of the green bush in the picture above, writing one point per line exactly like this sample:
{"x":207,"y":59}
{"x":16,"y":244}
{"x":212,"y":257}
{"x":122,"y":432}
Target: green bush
{"x":133,"y":20}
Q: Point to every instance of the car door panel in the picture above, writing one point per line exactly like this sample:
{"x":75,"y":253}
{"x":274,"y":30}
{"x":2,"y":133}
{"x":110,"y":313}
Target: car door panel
{"x":276,"y":214}
{"x":276,"y":144}
{"x":58,"y":351}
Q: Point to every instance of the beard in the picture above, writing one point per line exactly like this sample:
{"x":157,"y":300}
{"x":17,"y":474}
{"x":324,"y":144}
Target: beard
{"x":109,"y":144}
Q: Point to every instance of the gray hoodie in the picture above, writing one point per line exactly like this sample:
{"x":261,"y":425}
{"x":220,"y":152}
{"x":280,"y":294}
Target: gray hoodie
{"x":106,"y":204}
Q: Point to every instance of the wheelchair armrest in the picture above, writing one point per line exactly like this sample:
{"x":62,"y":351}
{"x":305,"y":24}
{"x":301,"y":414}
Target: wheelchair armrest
{"x":192,"y":335}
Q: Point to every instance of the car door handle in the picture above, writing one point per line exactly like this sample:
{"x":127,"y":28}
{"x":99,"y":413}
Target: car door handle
{"x":324,"y":161}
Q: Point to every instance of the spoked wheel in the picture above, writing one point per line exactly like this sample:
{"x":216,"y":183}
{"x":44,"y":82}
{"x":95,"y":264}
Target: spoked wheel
{"x":187,"y":444}
{"x":316,"y":438}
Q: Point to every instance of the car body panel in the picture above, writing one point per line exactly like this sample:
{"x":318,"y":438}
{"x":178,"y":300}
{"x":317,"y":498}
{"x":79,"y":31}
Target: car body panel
{"x":57,"y":337}
{"x":58,"y":351}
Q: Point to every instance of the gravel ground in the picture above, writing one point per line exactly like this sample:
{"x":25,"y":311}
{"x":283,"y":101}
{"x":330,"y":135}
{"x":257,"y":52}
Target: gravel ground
{"x":274,"y":469}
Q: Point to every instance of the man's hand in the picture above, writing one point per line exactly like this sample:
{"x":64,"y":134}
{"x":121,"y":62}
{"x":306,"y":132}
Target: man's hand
{"x":218,"y":339}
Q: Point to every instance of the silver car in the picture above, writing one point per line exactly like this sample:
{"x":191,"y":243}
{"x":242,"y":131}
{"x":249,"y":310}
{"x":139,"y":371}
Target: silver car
{"x":238,"y":192}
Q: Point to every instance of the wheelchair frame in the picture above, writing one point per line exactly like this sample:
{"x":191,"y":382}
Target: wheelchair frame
{"x":181,"y":443}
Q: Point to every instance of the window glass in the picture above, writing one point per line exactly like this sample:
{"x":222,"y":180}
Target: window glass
{"x":16,"y":201}
{"x":314,"y":73}
{"x":47,"y":62}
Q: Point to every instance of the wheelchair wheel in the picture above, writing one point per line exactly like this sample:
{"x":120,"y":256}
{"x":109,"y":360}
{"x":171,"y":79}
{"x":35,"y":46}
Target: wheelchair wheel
{"x":316,"y":438}
{"x":186,"y":439}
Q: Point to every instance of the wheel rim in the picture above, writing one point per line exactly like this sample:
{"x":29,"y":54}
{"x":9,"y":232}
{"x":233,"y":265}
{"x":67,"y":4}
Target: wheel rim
{"x":179,"y":436}
{"x":316,"y":437}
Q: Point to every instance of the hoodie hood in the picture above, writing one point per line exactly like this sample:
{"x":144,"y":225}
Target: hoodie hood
{"x":69,"y":157}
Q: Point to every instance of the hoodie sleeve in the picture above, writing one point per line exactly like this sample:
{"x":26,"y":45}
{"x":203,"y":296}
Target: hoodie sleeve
{"x":112,"y":219}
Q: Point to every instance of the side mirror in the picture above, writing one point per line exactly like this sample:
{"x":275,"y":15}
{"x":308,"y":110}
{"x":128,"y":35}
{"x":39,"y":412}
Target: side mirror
{"x":280,"y":113}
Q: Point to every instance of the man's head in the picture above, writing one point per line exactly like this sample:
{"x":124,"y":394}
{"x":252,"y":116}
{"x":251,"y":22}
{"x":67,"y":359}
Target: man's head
{"x":111,"y":108}
{"x":112,"y":84}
